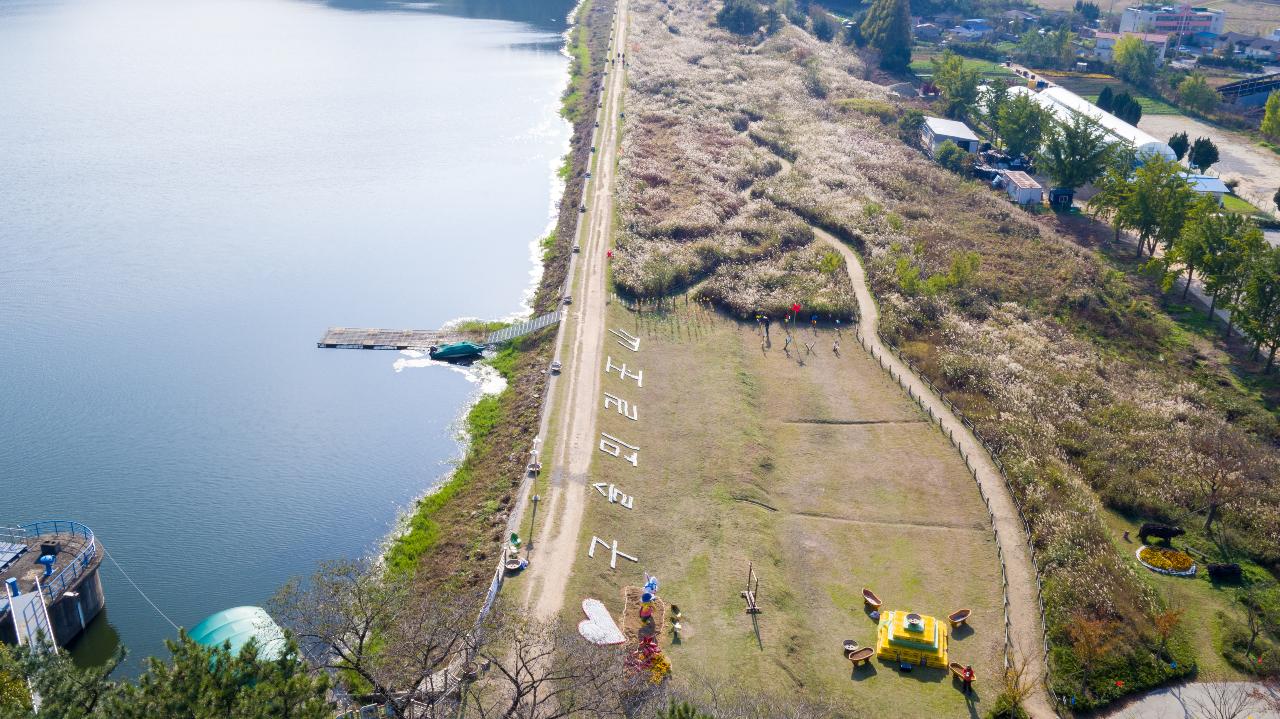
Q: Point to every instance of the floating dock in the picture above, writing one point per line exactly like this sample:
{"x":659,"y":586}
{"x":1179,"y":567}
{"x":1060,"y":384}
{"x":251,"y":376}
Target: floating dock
{"x":49,"y":585}
{"x":361,"y":338}
{"x":355,"y":338}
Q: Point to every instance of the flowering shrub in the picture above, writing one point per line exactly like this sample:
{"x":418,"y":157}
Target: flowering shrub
{"x":1169,"y":560}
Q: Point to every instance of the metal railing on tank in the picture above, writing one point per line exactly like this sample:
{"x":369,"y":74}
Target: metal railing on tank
{"x":57,"y":584}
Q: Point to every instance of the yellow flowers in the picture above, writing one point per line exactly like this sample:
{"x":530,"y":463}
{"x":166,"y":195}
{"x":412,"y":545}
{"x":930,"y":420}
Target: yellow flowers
{"x":1168,"y":560}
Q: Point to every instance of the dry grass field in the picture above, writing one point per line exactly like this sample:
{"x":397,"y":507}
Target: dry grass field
{"x":1251,"y":17}
{"x":825,"y":476}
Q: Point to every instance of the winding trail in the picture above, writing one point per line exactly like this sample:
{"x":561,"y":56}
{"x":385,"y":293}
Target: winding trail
{"x":1024,"y":625}
{"x":1024,"y":617}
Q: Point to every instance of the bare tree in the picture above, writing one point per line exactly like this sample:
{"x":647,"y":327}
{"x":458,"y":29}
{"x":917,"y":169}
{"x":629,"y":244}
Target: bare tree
{"x":1222,"y":700}
{"x":1269,"y":693}
{"x":349,"y":617}
{"x":1258,"y":615}
{"x":1220,"y":464}
{"x":542,"y":669}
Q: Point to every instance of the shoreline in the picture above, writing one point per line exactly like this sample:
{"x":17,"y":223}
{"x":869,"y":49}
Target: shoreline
{"x":496,"y":429}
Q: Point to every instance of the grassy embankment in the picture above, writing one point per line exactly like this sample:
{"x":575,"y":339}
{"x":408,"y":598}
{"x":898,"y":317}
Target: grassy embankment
{"x":821,"y":472}
{"x":453,"y":533}
{"x":1082,"y":385}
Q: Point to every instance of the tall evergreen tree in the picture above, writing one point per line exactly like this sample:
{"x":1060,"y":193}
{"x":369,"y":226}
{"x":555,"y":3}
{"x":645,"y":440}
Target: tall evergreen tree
{"x":196,"y":682}
{"x":1180,"y":143}
{"x":1105,"y":98}
{"x":957,"y":82}
{"x":1075,"y":152}
{"x":1203,"y":154}
{"x":1021,"y":124}
{"x":887,"y":28}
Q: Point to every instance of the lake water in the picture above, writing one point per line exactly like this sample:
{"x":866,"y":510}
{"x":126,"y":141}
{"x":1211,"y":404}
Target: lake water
{"x":191,"y":191}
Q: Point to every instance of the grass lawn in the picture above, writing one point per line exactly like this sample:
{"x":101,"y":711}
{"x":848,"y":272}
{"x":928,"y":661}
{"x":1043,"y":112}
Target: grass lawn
{"x":825,"y":476}
{"x":1200,"y":599}
{"x":1150,"y":106}
{"x":1231,"y":203}
{"x":921,"y":66}
{"x":1089,"y":87}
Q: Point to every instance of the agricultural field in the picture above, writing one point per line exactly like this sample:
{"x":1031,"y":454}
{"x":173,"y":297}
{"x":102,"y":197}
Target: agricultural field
{"x":1088,"y":87}
{"x":1252,"y":17}
{"x":920,"y":65}
{"x":816,"y":469}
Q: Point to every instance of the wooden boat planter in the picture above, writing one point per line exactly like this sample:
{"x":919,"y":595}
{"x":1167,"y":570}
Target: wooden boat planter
{"x":957,"y":671}
{"x":870,"y":598}
{"x":958,"y":617}
{"x":861,"y":656}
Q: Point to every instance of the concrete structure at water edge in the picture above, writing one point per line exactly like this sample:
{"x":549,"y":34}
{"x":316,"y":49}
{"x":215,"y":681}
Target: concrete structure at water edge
{"x":937,"y":130}
{"x":49,"y":570}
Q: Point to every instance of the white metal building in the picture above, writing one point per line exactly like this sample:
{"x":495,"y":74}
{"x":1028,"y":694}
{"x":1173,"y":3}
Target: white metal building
{"x":937,"y":130}
{"x":1064,"y":104}
{"x":1022,"y":188}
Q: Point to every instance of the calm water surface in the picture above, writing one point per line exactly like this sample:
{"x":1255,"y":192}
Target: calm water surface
{"x":190,"y":192}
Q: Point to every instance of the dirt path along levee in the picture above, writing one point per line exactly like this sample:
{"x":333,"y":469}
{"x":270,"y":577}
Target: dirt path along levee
{"x":576,"y":396}
{"x":1024,"y":617}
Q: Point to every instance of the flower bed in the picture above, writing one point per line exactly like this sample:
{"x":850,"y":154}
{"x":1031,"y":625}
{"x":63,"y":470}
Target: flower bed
{"x":1167,"y":561}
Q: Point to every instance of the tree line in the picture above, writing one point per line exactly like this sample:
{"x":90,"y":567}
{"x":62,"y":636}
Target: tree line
{"x":1225,"y":250}
{"x":414,"y":649}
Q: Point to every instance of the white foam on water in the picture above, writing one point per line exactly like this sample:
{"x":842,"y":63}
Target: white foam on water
{"x":490,"y":381}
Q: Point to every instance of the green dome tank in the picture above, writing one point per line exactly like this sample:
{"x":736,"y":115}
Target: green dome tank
{"x":238,"y":625}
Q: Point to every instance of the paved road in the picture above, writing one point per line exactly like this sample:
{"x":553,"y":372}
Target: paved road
{"x":1257,"y":168}
{"x":1197,"y":701}
{"x":580,"y":347}
{"x":1025,"y":628}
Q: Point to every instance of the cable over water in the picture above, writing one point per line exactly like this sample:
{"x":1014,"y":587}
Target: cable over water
{"x":135,"y":586}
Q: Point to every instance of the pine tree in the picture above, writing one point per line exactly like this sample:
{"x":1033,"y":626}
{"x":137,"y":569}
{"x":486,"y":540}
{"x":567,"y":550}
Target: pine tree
{"x":1203,"y":154}
{"x":1179,"y":143}
{"x":1106,"y":98}
{"x":887,"y":28}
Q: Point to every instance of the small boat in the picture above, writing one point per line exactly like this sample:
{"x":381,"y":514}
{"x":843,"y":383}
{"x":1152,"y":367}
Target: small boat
{"x":957,"y":671}
{"x":870,"y":598}
{"x":456,"y":351}
{"x":959,"y":616}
